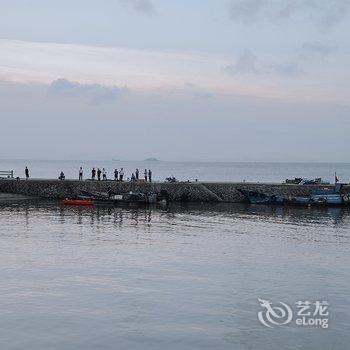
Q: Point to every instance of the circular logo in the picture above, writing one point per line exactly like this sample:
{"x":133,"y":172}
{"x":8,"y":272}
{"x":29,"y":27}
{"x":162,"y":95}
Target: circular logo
{"x":274,"y":315}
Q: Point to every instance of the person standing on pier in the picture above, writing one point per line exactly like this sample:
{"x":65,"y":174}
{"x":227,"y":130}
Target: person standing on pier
{"x":121,"y":174}
{"x":145,"y":175}
{"x":104,"y":174}
{"x":93,"y":174}
{"x":80,"y":174}
{"x":115,"y":175}
{"x":26,"y":171}
{"x":137,"y":174}
{"x":99,"y":174}
{"x":149,"y":175}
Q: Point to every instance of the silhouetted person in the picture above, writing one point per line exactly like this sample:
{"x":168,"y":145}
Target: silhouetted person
{"x":98,"y":174}
{"x":61,"y":177}
{"x":26,"y":171}
{"x":93,"y":174}
{"x":80,"y":173}
{"x":137,"y":174}
{"x":115,"y":174}
{"x":133,"y":179}
{"x":145,"y":175}
{"x":149,"y":175}
{"x":121,"y":174}
{"x":104,"y":174}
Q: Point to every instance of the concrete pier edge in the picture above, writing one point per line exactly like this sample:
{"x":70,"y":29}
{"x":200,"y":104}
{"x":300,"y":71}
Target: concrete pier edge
{"x":179,"y":191}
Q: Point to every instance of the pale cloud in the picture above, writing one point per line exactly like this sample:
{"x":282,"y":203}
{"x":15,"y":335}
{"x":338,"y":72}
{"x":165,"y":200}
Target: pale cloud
{"x":322,"y":12}
{"x":144,"y":6}
{"x":289,"y":69}
{"x":203,"y":95}
{"x":316,"y":50}
{"x":138,"y":69}
{"x":246,"y":10}
{"x":93,"y":93}
{"x":249,"y":63}
{"x":166,"y":72}
{"x":246,"y":63}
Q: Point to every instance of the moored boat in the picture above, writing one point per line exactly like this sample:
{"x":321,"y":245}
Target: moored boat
{"x":78,"y":202}
{"x":323,"y":197}
{"x":124,"y":198}
{"x":256,"y":197}
{"x":319,"y":197}
{"x":301,"y":181}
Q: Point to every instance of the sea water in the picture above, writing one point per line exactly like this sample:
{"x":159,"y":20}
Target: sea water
{"x":171,"y":277}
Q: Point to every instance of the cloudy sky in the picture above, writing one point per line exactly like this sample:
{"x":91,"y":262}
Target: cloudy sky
{"x":246,"y":80}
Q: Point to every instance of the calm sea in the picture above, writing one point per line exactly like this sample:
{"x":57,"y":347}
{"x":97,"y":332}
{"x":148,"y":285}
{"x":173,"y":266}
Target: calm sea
{"x":177,"y":277}
{"x":203,"y":171}
{"x":173,"y":277}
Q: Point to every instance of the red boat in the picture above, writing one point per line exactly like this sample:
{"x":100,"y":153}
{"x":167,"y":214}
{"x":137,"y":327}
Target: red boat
{"x":78,"y":202}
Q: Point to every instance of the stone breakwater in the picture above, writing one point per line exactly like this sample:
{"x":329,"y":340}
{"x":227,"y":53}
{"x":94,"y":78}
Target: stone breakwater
{"x":179,"y":191}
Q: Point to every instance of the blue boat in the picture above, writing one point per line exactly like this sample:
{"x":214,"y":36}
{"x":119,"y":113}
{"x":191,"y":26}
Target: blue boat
{"x":328,"y":197}
{"x":319,"y":197}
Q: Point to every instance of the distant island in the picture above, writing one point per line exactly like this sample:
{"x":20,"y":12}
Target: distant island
{"x":151,"y":160}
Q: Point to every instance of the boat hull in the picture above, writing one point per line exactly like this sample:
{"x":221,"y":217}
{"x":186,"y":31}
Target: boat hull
{"x":120,"y":199}
{"x":320,"y":198}
{"x":83,"y":202}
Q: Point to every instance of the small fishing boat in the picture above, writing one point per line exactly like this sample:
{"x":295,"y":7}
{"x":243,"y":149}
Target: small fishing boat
{"x":301,"y":181}
{"x":78,"y":202}
{"x":124,"y":198}
{"x":256,"y":197}
{"x":132,"y":197}
{"x":316,"y":181}
{"x":319,"y":197}
{"x":323,"y":197}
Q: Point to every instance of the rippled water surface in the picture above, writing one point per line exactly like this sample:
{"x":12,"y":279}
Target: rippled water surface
{"x":178,"y":277}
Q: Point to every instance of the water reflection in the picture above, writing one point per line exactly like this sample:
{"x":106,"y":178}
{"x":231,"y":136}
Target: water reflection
{"x":336,"y":216}
{"x":173,"y":214}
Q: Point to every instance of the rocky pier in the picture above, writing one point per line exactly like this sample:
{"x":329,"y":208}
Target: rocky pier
{"x":178,"y":191}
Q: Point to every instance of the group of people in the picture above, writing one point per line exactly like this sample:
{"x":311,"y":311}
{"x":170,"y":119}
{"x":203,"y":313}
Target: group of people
{"x":60,"y":177}
{"x":118,"y":175}
{"x":95,"y":172}
{"x":102,"y":174}
{"x":147,"y":175}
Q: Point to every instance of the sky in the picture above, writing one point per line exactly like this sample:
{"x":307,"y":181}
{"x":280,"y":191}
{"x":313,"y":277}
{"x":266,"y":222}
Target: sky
{"x":210,"y":80}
